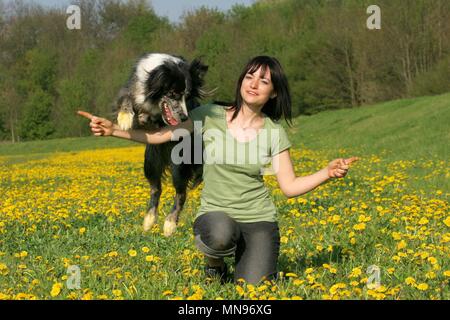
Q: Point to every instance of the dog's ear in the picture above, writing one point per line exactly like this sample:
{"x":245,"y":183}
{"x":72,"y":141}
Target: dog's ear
{"x":198,"y":69}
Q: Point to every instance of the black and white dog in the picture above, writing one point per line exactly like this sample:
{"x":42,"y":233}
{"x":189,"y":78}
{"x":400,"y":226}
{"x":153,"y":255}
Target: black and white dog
{"x":160,"y":92}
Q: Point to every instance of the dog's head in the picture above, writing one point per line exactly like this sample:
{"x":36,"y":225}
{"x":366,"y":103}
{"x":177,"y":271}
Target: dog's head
{"x":160,"y":92}
{"x":172,"y":89}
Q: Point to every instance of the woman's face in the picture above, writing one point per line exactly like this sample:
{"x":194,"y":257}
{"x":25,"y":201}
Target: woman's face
{"x":257,"y":88}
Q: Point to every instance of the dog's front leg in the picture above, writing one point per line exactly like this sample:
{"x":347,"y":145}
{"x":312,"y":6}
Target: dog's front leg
{"x":170,"y":224}
{"x":152,"y":214}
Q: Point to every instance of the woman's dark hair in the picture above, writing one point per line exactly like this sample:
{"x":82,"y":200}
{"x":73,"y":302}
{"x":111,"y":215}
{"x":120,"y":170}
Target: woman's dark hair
{"x":276,"y":107}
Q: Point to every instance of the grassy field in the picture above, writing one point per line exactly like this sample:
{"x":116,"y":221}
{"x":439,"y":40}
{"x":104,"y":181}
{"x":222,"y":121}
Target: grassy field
{"x":81,"y":202}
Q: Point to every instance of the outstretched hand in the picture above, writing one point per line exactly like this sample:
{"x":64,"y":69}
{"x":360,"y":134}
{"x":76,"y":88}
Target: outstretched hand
{"x":99,"y":126}
{"x":338,"y":168}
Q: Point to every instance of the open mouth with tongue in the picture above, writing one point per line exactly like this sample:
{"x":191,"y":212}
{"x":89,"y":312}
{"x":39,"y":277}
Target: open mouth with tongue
{"x":171,"y":111}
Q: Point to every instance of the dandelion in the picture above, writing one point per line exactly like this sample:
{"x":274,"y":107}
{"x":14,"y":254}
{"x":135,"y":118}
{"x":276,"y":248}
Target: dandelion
{"x":410,"y":281}
{"x":309,"y":270}
{"x":356,"y":272}
{"x":82,"y":230}
{"x":240,"y":290}
{"x":292,"y":275}
{"x":298,"y":282}
{"x":56,"y":289}
{"x":359,"y":226}
{"x":132,"y":253}
{"x":447,"y":221}
{"x":422,"y":287}
{"x":117,"y":293}
{"x":167,"y":293}
{"x":113,"y":254}
{"x":401,"y":245}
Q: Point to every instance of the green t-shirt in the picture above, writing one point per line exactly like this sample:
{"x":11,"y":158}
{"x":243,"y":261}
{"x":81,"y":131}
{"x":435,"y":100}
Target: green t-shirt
{"x":232,"y":170}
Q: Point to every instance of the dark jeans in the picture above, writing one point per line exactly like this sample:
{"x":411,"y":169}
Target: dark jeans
{"x":255,"y":245}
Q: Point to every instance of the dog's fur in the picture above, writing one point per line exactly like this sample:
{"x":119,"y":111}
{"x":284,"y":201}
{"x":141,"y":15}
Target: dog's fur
{"x":160,"y":92}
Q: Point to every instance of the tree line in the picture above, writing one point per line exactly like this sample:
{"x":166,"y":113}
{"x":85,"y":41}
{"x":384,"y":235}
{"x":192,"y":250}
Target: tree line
{"x":332,"y":59}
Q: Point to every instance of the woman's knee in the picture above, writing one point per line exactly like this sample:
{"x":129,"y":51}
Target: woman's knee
{"x":217,"y":230}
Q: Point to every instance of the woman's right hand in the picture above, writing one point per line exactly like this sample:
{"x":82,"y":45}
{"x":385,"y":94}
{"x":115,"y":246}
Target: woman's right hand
{"x":99,"y":126}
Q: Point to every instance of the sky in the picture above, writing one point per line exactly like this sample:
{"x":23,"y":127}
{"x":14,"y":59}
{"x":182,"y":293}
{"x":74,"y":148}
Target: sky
{"x":173,"y":9}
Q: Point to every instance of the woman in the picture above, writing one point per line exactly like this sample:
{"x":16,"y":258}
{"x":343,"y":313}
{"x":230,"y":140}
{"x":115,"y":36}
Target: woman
{"x":237,"y":216}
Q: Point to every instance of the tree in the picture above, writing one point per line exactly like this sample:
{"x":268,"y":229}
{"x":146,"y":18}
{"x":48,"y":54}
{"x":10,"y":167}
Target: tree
{"x":36,"y":120}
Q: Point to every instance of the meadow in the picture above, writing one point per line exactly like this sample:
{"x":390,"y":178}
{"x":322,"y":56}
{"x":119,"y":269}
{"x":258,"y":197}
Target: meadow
{"x":81,"y":202}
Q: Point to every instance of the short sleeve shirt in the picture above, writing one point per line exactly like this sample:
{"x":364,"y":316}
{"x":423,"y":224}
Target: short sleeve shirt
{"x":233,"y":170}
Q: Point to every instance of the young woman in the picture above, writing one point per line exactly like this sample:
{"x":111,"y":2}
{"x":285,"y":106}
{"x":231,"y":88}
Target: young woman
{"x":236,"y":215}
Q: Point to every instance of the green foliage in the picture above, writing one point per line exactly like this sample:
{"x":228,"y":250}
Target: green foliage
{"x":331,"y":59}
{"x":140,"y":28}
{"x":36,"y":121}
{"x":434,"y":81}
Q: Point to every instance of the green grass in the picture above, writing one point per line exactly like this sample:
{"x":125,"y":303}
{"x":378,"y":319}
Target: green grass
{"x":52,"y":190}
{"x":401,"y":129}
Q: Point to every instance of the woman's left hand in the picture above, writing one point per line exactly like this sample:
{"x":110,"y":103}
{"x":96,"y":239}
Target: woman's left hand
{"x":338,"y":168}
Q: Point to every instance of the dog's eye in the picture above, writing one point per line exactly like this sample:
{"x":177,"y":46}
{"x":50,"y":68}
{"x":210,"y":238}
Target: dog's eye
{"x":175,"y":95}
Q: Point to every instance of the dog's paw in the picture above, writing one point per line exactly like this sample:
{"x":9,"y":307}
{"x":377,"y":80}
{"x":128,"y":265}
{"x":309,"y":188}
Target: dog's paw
{"x":125,"y":120}
{"x":149,"y":221}
{"x":169,"y":227}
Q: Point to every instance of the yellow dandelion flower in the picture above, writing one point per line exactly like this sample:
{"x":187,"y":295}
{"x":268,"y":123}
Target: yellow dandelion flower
{"x":292,"y":275}
{"x":309,"y":270}
{"x":356,"y":272}
{"x":410,"y":281}
{"x":117,"y":293}
{"x":397,"y":236}
{"x":82,"y":230}
{"x":284,"y":239}
{"x":298,"y":282}
{"x":447,"y":221}
{"x":401,"y":245}
{"x":360,"y":226}
{"x":113,"y":254}
{"x":132,"y":253}
{"x":167,"y":293}
{"x":447,"y":273}
{"x":422,"y":287}
{"x":145,"y":249}
{"x":423,"y":221}
{"x":56,"y":289}
{"x":240,"y":290}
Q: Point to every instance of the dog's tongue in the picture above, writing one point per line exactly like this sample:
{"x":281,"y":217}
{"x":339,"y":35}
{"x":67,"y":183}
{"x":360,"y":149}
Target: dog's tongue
{"x":172,"y":122}
{"x":168,"y":115}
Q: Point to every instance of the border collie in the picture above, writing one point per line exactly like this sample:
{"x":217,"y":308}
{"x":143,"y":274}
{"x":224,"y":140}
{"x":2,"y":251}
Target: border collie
{"x":160,"y":92}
